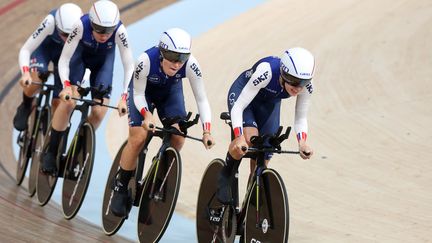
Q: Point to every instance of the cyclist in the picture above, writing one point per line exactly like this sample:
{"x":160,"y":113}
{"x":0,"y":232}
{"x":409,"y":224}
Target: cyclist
{"x":254,"y":101}
{"x":91,"y":45}
{"x":41,"y":48}
{"x":157,"y":83}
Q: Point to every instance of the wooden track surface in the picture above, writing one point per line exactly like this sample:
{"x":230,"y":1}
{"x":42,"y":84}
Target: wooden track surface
{"x":369,"y":122}
{"x":22,"y":219}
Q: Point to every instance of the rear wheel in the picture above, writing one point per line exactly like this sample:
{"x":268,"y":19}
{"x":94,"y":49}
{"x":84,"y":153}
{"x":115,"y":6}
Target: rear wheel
{"x":111,"y":223}
{"x":267,"y":215}
{"x":78,"y":170}
{"x":159,"y":196}
{"x":215,"y":222}
{"x":38,"y":143}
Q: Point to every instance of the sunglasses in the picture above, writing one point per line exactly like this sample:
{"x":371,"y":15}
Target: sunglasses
{"x":102,"y":29}
{"x":174,"y":56}
{"x":294,"y":81}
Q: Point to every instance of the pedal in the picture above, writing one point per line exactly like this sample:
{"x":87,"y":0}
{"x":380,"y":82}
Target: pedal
{"x":20,"y":139}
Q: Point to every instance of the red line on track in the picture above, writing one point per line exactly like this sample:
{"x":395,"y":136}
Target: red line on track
{"x":10,"y":6}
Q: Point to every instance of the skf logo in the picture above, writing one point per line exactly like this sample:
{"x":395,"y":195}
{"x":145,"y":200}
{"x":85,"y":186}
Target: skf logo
{"x":261,"y":78}
{"x":72,"y":35}
{"x":309,"y":88}
{"x":39,"y":30}
{"x":196,"y":69}
{"x":138,"y":69}
{"x":124,"y":40}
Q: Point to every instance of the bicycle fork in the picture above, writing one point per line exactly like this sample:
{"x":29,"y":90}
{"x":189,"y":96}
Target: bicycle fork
{"x":158,"y":195}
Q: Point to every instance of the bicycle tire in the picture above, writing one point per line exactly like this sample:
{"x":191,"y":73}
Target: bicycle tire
{"x":38,"y":142}
{"x":25,"y":152}
{"x":206,"y":231}
{"x":155,"y":214}
{"x":45,"y":184}
{"x":78,"y":170}
{"x":111,"y":223}
{"x":273,"y":226}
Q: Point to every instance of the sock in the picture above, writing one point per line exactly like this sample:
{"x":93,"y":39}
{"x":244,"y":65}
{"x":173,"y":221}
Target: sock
{"x":56,"y":137}
{"x":27,"y":101}
{"x":124,"y":176}
{"x":232,"y":165}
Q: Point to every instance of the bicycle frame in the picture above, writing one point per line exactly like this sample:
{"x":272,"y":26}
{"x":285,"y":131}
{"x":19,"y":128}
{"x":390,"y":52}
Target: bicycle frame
{"x":259,"y":153}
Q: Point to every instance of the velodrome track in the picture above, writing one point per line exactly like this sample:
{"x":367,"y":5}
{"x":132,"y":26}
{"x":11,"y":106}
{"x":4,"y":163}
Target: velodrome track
{"x":369,"y":121}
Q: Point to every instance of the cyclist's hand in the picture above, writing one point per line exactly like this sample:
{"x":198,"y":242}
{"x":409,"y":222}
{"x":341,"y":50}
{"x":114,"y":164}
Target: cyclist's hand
{"x":239,"y":147}
{"x":65,"y":93}
{"x":149,"y":122}
{"x":25,"y":80}
{"x":122,"y":107}
{"x":306,"y":152}
{"x":208,"y":140}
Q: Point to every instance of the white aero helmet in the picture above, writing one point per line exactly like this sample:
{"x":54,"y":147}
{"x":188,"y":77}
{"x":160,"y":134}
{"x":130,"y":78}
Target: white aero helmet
{"x":66,"y":16}
{"x":297,"y":66}
{"x":175,"y":45}
{"x":104,"y":16}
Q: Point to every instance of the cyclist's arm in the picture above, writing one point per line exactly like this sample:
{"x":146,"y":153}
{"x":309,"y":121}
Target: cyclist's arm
{"x":251,"y":89}
{"x":139,"y":80}
{"x":67,"y":52}
{"x":301,"y":109}
{"x":193,"y":73}
{"x":45,"y":28}
{"x":121,"y":39}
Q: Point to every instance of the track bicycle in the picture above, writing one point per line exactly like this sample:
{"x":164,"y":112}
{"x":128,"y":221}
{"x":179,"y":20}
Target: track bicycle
{"x":77,"y":164}
{"x":156,"y":194}
{"x":264,"y":215}
{"x":31,"y":139}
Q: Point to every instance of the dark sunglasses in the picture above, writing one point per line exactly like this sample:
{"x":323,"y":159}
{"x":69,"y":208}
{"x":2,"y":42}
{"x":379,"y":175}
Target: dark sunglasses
{"x":294,"y":81}
{"x":102,"y":29}
{"x":174,"y":56}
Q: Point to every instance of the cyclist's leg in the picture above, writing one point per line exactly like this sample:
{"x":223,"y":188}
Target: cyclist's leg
{"x":38,"y":65}
{"x":101,"y":76}
{"x":173,"y":105}
{"x":136,"y":139}
{"x":62,"y":115}
{"x":59,"y":125}
{"x":58,"y":86}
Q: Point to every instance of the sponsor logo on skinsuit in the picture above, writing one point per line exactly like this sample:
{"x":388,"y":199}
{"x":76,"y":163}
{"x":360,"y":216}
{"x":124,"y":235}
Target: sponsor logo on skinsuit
{"x":123,"y":39}
{"x":138,"y":69}
{"x":196,"y":69}
{"x":261,"y":78}
{"x":40,"y":29}
{"x":72,"y":35}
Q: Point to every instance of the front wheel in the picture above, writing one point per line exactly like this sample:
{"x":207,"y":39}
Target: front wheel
{"x":78,"y":169}
{"x":267,"y":214}
{"x":159,"y":196}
